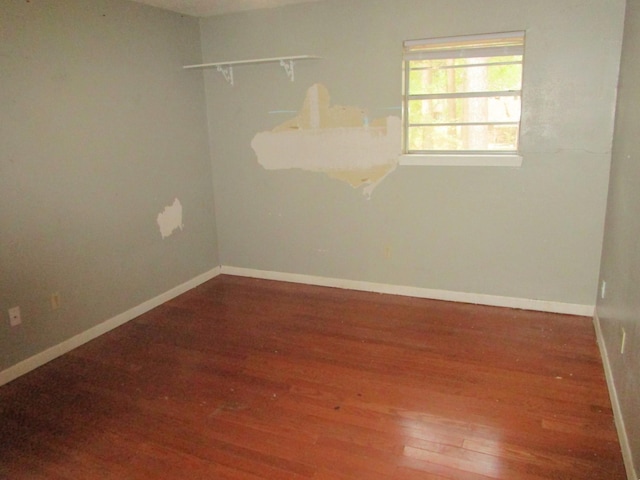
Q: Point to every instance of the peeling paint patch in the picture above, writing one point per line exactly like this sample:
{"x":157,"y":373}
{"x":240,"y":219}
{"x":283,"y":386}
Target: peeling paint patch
{"x":170,"y":219}
{"x":336,"y":140}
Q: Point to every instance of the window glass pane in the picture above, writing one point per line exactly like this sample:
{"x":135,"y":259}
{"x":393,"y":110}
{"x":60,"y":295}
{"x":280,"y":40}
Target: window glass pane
{"x":463,"y":138}
{"x":463,"y":94}
{"x":465,"y":75}
{"x":464,"y":110}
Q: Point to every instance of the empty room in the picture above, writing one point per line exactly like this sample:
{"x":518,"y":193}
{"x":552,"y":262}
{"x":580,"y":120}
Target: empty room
{"x":319,"y":239}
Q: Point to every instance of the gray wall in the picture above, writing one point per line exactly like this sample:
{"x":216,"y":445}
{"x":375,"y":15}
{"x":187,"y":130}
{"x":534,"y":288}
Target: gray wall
{"x":531,"y":232}
{"x":100,"y":130}
{"x":620,"y":307}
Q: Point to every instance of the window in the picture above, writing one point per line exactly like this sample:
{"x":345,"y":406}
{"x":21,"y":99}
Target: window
{"x":462,"y":95}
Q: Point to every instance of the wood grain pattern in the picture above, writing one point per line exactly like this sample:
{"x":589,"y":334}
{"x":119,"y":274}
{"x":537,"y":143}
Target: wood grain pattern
{"x":254,"y":379}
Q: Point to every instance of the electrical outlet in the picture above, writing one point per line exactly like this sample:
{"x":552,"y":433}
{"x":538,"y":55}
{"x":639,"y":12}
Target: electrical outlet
{"x":603,"y":289}
{"x":623,"y":341}
{"x":15,"y":318}
{"x":55,"y":301}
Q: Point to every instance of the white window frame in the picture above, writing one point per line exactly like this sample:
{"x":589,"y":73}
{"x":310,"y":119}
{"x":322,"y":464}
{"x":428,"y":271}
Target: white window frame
{"x":442,"y":48}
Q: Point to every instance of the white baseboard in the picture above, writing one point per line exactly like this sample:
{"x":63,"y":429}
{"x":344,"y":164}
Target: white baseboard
{"x":41,"y":358}
{"x":615,"y":403}
{"x":477,"y":298}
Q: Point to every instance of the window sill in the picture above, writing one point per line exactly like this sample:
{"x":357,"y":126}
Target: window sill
{"x":473,"y":160}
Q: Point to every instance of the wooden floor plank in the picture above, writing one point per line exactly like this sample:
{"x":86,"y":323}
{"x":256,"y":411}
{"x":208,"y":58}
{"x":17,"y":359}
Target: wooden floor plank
{"x":248,"y":379}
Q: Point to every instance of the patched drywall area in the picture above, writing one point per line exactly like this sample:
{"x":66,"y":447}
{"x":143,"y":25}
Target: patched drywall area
{"x":170,"y":219}
{"x":339,"y":141}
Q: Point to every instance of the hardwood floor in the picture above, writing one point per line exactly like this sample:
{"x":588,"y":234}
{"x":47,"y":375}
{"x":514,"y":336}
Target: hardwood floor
{"x":254,"y":379}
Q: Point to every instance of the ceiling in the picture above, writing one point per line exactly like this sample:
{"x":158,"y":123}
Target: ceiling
{"x":206,"y":8}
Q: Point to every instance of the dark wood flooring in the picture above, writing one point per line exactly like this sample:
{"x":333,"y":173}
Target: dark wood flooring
{"x":254,"y":379}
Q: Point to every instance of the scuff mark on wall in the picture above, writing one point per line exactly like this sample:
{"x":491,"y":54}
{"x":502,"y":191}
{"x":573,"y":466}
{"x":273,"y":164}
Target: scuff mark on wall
{"x":336,"y":140}
{"x":170,"y":219}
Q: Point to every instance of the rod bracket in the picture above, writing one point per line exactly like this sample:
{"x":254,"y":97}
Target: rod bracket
{"x":288,"y":67}
{"x":227,"y":72}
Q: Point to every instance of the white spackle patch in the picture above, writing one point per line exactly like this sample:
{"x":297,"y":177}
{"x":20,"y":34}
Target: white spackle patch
{"x":336,"y":140}
{"x":170,"y":219}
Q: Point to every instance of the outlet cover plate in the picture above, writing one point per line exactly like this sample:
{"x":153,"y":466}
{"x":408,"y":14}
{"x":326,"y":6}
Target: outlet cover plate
{"x":15,"y":318}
